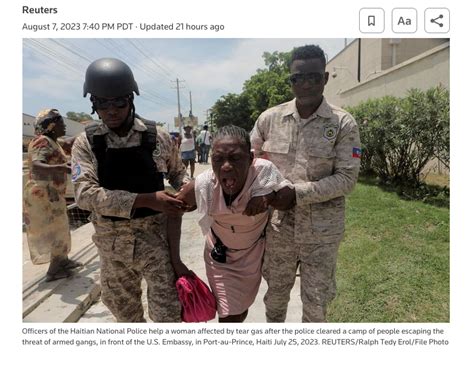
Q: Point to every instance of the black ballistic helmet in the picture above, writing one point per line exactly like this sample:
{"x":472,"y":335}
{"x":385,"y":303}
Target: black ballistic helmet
{"x":109,"y":78}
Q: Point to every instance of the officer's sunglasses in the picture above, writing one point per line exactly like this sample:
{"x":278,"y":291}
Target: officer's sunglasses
{"x":102,"y":104}
{"x":313,"y":78}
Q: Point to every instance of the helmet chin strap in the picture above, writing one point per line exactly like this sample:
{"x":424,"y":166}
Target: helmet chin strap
{"x":93,"y":106}
{"x":132,"y":109}
{"x":132,"y":106}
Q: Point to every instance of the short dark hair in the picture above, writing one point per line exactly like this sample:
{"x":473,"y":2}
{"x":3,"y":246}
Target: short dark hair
{"x":308,"y":52}
{"x":235,"y":132}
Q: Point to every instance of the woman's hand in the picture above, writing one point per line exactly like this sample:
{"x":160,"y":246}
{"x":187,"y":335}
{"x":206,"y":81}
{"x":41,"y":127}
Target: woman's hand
{"x":285,"y":199}
{"x":181,"y":269}
{"x":258,"y":204}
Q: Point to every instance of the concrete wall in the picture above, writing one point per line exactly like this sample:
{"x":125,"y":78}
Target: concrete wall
{"x":344,"y":68}
{"x":396,"y":51}
{"x":426,"y":70}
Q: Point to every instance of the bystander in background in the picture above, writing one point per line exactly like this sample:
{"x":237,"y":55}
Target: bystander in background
{"x":44,"y":203}
{"x":205,"y":143}
{"x":188,"y":153}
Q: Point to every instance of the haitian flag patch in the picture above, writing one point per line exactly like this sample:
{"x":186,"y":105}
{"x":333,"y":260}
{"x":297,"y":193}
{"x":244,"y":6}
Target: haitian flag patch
{"x":356,"y":152}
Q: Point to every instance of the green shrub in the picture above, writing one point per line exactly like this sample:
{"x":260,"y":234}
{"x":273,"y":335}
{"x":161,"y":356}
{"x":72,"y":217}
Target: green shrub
{"x":401,"y":135}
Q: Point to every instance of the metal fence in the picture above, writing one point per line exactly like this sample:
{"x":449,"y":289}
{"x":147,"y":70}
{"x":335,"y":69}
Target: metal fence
{"x":77,"y":216}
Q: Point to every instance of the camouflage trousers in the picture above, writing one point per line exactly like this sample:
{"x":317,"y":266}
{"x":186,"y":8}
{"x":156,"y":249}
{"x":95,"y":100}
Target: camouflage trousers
{"x":131,"y":250}
{"x":316,"y":258}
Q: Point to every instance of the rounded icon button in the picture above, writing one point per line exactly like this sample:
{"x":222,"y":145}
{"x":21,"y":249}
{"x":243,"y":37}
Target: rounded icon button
{"x":437,"y":20}
{"x":404,"y":20}
{"x":371,"y":20}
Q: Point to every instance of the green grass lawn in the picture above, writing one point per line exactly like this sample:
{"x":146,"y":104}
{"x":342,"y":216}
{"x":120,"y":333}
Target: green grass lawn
{"x":393,"y":264}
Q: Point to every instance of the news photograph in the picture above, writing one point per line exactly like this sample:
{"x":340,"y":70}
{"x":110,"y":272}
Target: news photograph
{"x":235,"y":180}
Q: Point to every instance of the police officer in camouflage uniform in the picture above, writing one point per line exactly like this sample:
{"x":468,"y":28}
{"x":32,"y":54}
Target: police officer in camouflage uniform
{"x":117,"y":173}
{"x":316,"y":146}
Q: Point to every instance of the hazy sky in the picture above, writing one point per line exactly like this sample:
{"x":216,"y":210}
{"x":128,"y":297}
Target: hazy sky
{"x":53,"y":70}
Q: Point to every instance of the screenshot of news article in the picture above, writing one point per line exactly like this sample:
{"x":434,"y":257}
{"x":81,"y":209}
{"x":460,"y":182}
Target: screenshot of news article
{"x":249,"y":181}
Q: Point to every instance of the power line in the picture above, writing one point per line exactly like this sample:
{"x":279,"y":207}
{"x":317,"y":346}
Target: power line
{"x":75,"y":59}
{"x":167,"y":74}
{"x":39,"y":48}
{"x":115,"y":46}
{"x":168,"y":70}
{"x":69,"y":48}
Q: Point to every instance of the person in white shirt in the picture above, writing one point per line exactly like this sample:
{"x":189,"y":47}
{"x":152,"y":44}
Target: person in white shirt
{"x":188,"y":151}
{"x":205,"y":145}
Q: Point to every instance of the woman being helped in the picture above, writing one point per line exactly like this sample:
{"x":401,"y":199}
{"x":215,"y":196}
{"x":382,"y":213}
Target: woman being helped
{"x":47,"y":225}
{"x":188,"y":152}
{"x":234,"y":197}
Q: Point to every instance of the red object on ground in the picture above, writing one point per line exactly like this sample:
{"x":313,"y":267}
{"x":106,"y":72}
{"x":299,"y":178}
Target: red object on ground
{"x":198,"y":302}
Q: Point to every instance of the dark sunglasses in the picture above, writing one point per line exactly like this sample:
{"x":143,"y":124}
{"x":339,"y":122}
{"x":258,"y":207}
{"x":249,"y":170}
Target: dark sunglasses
{"x":102,"y":104}
{"x":313,"y":78}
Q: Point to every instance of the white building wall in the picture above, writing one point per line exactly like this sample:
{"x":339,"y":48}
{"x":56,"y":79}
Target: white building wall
{"x":424,"y":71}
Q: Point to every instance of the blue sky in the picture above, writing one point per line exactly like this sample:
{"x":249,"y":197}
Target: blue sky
{"x":53,"y":70}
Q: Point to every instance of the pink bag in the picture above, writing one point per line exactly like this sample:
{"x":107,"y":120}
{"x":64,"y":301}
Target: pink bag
{"x":198,"y":302}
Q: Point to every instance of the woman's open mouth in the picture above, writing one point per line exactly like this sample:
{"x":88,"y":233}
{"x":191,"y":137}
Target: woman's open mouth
{"x":228,"y":183}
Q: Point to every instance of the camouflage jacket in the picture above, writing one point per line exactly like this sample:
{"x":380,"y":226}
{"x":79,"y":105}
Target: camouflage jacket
{"x":320,"y":155}
{"x":91,"y":196}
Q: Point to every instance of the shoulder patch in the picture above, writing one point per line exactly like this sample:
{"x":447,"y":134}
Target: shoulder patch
{"x":157,"y":151}
{"x":75,"y":171}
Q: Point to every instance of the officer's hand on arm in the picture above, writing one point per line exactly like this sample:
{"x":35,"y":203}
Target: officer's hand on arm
{"x":160,"y":201}
{"x":259,"y":204}
{"x":285,"y":199}
{"x":187,"y":196}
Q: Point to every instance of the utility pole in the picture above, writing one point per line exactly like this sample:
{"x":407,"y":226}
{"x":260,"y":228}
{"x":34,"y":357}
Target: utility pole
{"x":190,"y":105}
{"x":180,"y":117}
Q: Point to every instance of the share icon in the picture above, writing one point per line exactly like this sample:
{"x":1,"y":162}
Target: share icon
{"x":435,"y":20}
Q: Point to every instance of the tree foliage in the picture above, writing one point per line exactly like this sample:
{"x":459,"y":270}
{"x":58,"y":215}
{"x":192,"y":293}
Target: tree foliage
{"x":267,"y":88}
{"x":79,"y":117}
{"x":232,"y":109}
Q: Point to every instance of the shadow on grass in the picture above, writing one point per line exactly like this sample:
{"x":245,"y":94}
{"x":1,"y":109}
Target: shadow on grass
{"x":430,"y":194}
